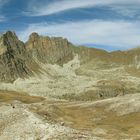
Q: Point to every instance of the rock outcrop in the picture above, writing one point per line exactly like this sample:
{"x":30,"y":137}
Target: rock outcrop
{"x":18,"y":59}
{"x":12,"y":57}
{"x":50,"y":49}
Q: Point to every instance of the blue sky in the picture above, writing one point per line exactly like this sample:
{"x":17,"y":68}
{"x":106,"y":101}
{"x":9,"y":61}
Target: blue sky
{"x":107,"y":24}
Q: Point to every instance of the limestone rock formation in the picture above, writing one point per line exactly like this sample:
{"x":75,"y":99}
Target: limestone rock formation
{"x":18,"y":59}
{"x":49,"y":49}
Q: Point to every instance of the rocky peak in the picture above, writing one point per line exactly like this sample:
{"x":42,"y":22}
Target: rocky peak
{"x":10,"y":42}
{"x":49,"y":49}
{"x":9,"y":38}
{"x":12,"y":57}
{"x":18,"y":59}
{"x":34,"y":36}
{"x":10,"y":34}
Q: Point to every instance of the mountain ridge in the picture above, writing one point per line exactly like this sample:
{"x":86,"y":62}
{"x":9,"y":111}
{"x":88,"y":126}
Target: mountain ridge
{"x":18,"y":59}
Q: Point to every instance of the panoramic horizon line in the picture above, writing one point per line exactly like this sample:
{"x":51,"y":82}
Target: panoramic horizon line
{"x":82,"y":45}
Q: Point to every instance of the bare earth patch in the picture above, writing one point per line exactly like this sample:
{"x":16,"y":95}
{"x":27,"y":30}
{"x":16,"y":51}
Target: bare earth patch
{"x":95,"y":118}
{"x":7,"y":96}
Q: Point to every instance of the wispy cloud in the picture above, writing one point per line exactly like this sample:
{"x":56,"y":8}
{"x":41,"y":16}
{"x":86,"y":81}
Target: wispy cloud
{"x":37,"y":8}
{"x":2,"y":18}
{"x":129,"y":10}
{"x":119,"y":34}
{"x":2,"y":3}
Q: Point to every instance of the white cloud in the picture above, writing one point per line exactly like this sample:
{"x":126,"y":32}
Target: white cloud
{"x":119,"y":34}
{"x":129,"y":10}
{"x":43,"y":8}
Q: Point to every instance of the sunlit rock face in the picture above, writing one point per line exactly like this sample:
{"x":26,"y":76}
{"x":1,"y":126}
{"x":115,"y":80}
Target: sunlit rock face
{"x":50,"y":49}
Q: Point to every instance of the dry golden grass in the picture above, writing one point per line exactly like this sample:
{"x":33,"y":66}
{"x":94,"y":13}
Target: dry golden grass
{"x":89,"y":118}
{"x":7,"y":96}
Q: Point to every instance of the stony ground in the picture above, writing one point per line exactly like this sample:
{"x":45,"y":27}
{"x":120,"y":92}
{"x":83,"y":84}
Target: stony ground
{"x":115,"y":118}
{"x":71,"y":102}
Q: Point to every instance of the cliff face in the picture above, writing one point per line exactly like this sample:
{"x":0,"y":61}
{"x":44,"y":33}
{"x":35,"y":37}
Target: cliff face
{"x":12,"y":57}
{"x":50,"y":50}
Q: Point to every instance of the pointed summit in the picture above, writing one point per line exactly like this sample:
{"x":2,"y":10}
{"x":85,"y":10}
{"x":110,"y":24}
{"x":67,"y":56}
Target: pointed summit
{"x":34,"y":36}
{"x":12,"y":57}
{"x":10,"y":34}
{"x":10,"y":42}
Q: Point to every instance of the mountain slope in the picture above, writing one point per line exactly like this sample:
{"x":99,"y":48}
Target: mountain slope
{"x":18,"y":59}
{"x":47,"y":83}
